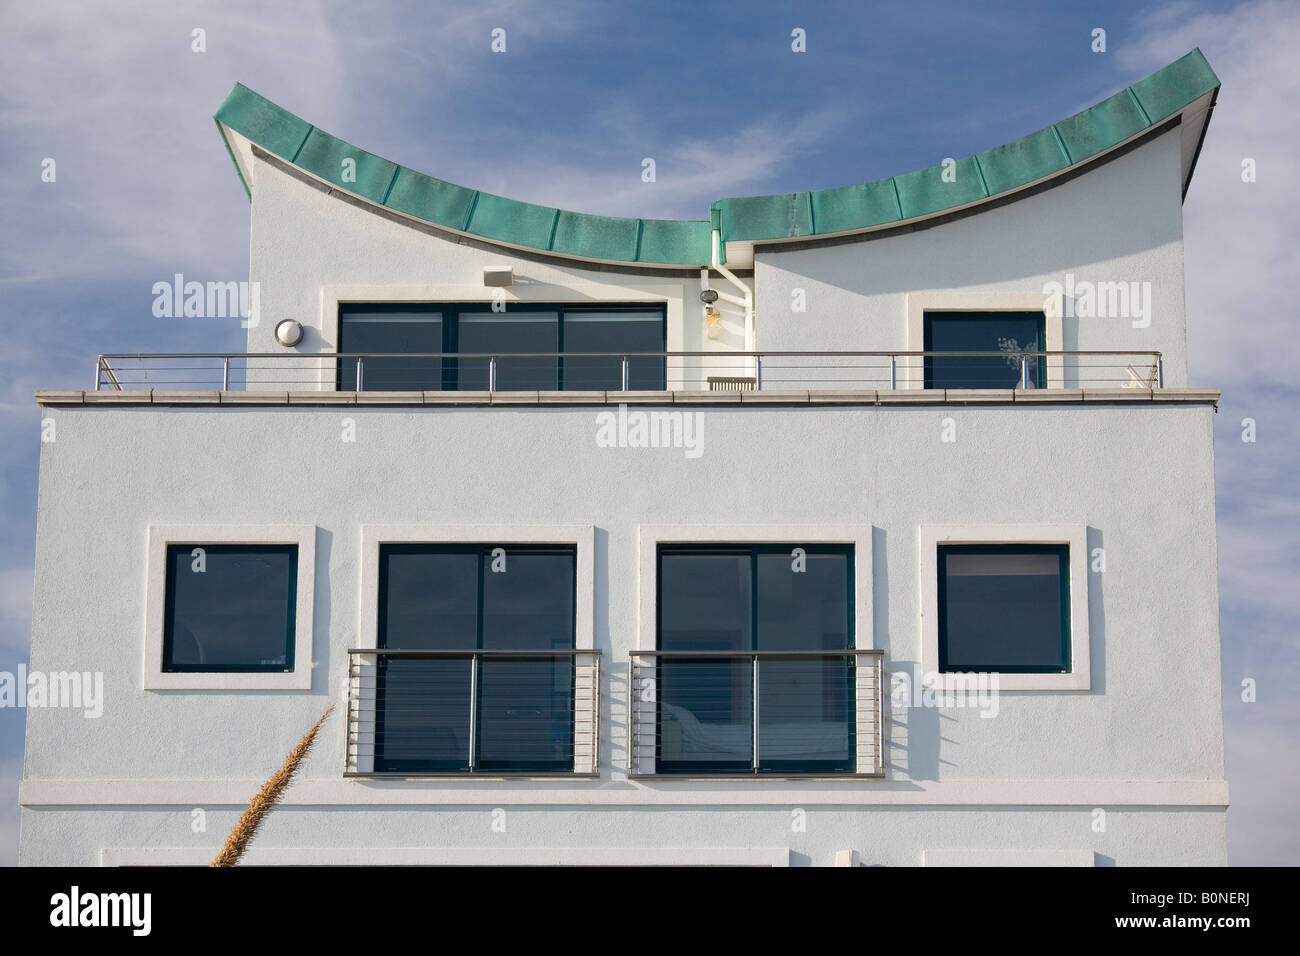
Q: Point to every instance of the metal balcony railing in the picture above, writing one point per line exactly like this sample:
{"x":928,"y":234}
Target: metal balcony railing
{"x":453,"y":713}
{"x":636,"y":371}
{"x":778,"y":713}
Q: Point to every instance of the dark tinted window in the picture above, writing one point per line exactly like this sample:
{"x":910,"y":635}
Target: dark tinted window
{"x":230,"y":608}
{"x":766,"y":598}
{"x":428,"y":598}
{"x":391,"y":328}
{"x":613,"y":332}
{"x":549,"y":330}
{"x":509,"y":332}
{"x":518,"y":711}
{"x":1004,"y":608}
{"x":1006,"y":332}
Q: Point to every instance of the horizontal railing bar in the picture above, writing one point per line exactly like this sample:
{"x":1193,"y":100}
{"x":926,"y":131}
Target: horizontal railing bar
{"x":716,"y":356}
{"x":856,"y":652}
{"x":470,"y":652}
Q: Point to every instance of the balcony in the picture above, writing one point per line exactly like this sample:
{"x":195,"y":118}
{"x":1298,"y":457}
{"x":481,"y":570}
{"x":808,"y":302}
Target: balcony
{"x":525,"y":713}
{"x":768,"y":713}
{"x":411,"y":377}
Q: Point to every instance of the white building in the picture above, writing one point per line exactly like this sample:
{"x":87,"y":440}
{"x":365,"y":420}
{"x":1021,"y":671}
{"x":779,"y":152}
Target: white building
{"x":939,"y":589}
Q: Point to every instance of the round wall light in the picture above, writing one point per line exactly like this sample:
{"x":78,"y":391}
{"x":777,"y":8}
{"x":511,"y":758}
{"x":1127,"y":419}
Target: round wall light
{"x":708,"y":296}
{"x":288,"y":333}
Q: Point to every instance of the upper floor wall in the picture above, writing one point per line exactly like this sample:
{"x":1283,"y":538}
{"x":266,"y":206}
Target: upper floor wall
{"x":1101,"y":255}
{"x":1080,"y":223}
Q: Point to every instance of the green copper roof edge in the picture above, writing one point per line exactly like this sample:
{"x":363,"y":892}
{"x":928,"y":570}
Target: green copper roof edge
{"x":1138,"y":103}
{"x":1173,"y":88}
{"x":979,"y":167}
{"x":1187,"y":79}
{"x":1060,"y":141}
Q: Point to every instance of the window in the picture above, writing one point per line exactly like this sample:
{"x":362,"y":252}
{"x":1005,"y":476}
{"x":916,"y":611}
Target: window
{"x":559,"y":334}
{"x":451,"y":696}
{"x":1008,"y":332}
{"x":508,"y":332}
{"x":1010,"y":600}
{"x":392,"y":328}
{"x":726,"y":615}
{"x":1004,"y":608}
{"x":229,"y":607}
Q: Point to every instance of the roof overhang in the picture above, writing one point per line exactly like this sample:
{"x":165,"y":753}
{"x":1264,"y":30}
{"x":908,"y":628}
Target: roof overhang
{"x":1181,"y":94}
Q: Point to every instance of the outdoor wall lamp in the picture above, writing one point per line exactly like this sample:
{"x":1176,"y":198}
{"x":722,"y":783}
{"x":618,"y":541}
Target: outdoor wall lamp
{"x":288,"y":332}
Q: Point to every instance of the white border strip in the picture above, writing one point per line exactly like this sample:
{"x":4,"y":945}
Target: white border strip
{"x":637,"y":793}
{"x":458,"y":856}
{"x":1008,"y":858}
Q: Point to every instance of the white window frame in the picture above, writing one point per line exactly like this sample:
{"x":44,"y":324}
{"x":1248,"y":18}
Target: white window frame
{"x":581,"y":537}
{"x":160,"y":536}
{"x":1073,"y":535}
{"x":1050,"y":304}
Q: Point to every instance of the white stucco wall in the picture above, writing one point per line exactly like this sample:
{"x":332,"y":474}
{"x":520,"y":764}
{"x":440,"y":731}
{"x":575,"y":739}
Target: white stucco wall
{"x":1140,"y":477}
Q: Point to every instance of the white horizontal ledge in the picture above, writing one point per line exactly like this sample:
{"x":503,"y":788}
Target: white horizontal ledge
{"x":637,"y":793}
{"x":458,"y":856}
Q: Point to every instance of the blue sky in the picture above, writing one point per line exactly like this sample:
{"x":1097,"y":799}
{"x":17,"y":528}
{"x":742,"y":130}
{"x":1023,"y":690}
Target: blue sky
{"x":585,"y":91}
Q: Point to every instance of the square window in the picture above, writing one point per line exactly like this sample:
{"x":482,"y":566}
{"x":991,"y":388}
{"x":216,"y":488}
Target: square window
{"x":475,"y":669}
{"x":395,"y":329}
{"x":640,"y":330}
{"x":777,"y":606}
{"x":1004,"y":609}
{"x":1010,"y":600}
{"x":520,"y":332}
{"x":230,"y":608}
{"x":1008,"y":333}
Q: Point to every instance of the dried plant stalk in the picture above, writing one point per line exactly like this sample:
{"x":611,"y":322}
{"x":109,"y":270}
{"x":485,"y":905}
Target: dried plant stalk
{"x":271,"y":791}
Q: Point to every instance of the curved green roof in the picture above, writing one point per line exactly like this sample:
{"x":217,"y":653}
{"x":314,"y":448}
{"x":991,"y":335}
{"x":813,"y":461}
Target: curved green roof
{"x":661,"y":242}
